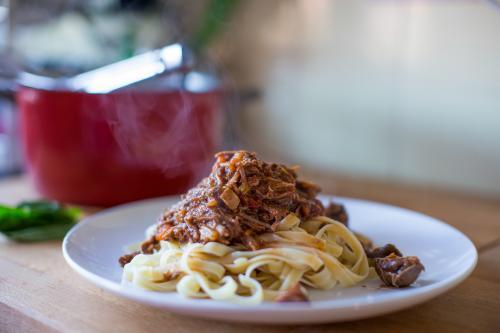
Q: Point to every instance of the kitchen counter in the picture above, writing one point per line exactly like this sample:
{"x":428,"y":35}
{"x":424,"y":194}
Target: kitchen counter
{"x":39,"y":292}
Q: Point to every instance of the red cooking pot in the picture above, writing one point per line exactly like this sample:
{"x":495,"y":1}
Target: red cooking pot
{"x":106,"y":149}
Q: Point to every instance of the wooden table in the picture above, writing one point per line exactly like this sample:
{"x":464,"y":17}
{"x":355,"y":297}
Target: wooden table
{"x":40,"y":293}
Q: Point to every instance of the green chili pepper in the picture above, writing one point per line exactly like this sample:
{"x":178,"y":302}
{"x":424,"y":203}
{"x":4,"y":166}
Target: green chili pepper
{"x":37,"y":220}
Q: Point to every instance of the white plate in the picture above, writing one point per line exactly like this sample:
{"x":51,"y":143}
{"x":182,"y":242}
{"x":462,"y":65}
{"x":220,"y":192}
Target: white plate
{"x":93,"y":246}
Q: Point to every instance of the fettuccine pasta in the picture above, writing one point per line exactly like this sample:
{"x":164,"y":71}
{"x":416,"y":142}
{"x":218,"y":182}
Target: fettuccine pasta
{"x":319,"y":253}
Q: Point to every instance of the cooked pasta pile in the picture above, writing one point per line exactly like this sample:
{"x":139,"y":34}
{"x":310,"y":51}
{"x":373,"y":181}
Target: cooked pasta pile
{"x":320,"y":253}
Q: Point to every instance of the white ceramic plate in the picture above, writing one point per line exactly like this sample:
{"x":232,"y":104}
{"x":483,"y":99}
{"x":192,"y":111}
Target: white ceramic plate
{"x":93,"y":246}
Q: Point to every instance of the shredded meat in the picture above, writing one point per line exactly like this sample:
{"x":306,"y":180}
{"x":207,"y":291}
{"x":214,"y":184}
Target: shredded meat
{"x":337,"y":212}
{"x":149,"y":245}
{"x":125,"y":259}
{"x":170,"y":275}
{"x":242,"y":197}
{"x":396,"y":271}
{"x":294,"y":294}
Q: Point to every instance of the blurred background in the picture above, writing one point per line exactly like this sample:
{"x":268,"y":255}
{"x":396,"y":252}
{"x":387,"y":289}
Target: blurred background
{"x":390,"y":90}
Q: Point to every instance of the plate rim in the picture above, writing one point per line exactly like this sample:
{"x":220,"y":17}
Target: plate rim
{"x":386,"y":303}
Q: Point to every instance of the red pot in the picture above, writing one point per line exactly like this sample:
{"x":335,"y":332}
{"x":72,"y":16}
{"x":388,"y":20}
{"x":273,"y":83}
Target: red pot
{"x":108,"y":149}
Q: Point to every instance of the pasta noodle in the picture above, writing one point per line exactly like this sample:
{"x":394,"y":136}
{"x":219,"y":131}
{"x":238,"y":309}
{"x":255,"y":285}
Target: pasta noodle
{"x":320,"y":253}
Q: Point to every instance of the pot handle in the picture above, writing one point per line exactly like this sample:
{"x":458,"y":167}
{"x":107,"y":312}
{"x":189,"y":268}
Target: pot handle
{"x":8,"y":87}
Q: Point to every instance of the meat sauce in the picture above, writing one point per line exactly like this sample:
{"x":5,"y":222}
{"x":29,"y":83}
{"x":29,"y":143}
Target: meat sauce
{"x":242,"y":197}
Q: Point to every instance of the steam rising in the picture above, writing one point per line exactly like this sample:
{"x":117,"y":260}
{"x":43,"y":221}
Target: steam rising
{"x":176,"y":131}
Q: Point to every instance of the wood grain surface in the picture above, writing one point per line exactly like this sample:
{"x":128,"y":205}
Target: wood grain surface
{"x":40,"y":293}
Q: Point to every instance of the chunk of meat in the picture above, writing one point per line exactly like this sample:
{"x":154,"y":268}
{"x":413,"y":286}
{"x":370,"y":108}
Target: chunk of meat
{"x":397,"y":271}
{"x":230,"y":199}
{"x":365,"y":241}
{"x":382,"y":251}
{"x":310,"y":189}
{"x":297,"y":293}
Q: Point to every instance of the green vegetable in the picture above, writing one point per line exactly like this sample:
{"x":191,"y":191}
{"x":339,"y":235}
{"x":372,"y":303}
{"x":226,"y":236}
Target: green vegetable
{"x":37,"y":220}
